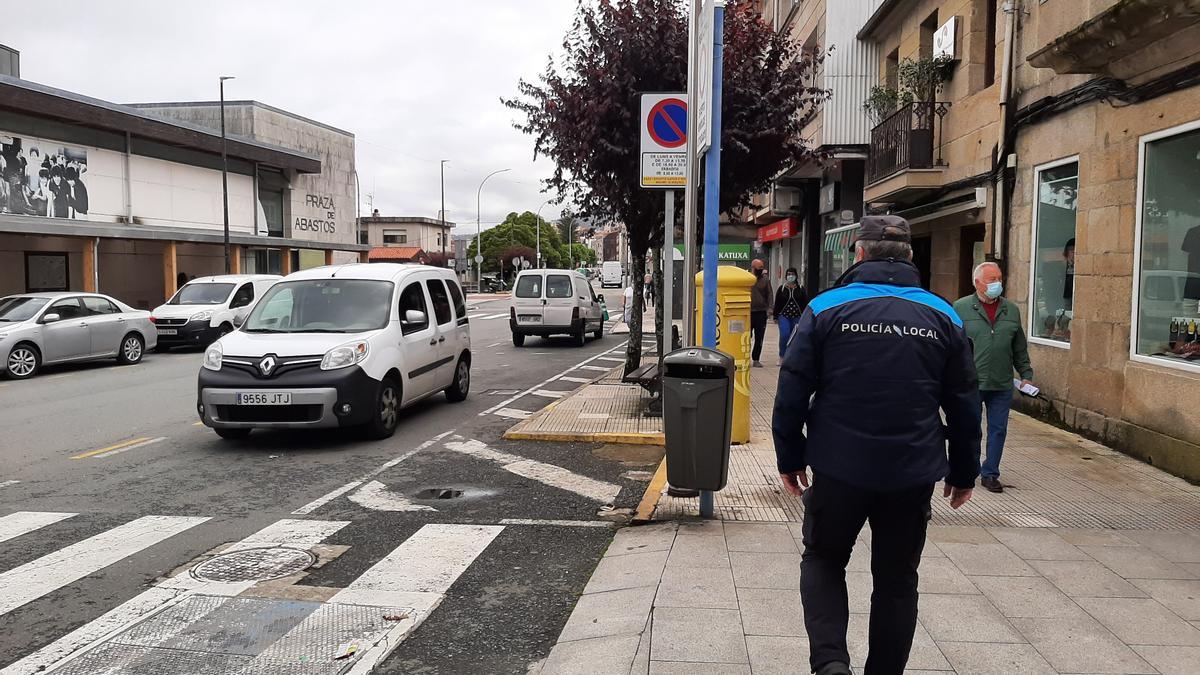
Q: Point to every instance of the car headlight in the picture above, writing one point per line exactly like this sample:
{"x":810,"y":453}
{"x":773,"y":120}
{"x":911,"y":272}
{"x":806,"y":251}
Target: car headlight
{"x":212,"y":357}
{"x":202,"y":316}
{"x":344,"y":356}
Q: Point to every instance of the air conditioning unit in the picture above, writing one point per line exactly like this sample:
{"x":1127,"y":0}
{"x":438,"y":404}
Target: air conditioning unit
{"x":786,"y":200}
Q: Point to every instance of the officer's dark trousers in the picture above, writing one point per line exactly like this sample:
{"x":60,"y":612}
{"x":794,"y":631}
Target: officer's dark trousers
{"x":834,"y":513}
{"x":758,"y":329}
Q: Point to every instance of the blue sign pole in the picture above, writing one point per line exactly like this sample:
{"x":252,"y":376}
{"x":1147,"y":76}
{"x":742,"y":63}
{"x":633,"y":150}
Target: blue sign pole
{"x":712,"y":209}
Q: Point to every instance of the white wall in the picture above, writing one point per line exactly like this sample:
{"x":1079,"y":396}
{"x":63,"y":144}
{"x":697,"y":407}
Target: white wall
{"x":178,"y":195}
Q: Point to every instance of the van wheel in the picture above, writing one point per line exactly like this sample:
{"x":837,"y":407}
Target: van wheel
{"x":580,"y":337}
{"x":131,"y":351}
{"x":518,"y":339}
{"x":387,"y":410}
{"x":600,"y":331}
{"x":461,"y":386}
{"x":233,"y":434}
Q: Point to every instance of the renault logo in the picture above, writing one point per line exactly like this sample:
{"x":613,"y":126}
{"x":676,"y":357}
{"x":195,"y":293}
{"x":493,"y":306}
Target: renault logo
{"x":266,"y":365}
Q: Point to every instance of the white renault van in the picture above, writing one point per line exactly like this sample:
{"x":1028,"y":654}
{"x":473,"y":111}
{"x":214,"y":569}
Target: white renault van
{"x":611,"y":274}
{"x":206,"y":308}
{"x":340,"y":346}
{"x":554,"y":302}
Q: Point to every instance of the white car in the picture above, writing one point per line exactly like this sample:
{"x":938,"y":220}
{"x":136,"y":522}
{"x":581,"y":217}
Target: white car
{"x":340,"y":346}
{"x":204,"y":309}
{"x":554,"y":302}
{"x":38,"y":329}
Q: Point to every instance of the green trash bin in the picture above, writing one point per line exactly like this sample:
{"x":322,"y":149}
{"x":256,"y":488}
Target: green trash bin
{"x":697,"y":386}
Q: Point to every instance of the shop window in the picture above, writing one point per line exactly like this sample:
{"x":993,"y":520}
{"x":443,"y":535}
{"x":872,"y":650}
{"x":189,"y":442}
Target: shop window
{"x":1168,"y":275}
{"x":1053,"y":256}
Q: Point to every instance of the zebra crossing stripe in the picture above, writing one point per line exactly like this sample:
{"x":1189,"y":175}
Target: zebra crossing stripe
{"x":23,"y":522}
{"x":67,"y":565}
{"x":549,"y":393}
{"x":550,"y":474}
{"x":577,"y":380}
{"x":289,"y":532}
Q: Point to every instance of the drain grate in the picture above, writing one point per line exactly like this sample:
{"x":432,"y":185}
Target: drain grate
{"x":254,"y":564}
{"x":439,"y":493}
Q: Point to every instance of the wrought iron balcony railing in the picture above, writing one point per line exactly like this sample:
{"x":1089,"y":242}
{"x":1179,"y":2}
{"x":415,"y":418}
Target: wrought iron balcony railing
{"x":911,"y":138}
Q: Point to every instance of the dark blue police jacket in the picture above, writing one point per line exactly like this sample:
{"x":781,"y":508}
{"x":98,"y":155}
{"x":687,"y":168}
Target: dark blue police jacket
{"x":867,"y":368}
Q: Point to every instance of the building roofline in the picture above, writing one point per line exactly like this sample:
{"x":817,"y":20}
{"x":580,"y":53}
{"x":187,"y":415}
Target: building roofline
{"x":880,"y":15}
{"x":242,"y":102}
{"x":395,"y":220}
{"x":41,"y":100}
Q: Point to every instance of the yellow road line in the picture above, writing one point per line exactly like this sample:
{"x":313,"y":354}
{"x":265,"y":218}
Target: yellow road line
{"x":115,"y":446}
{"x":653,"y":493}
{"x":198,"y":424}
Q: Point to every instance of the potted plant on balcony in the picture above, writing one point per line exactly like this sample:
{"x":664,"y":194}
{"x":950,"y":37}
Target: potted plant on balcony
{"x":922,"y":79}
{"x":883,"y":101}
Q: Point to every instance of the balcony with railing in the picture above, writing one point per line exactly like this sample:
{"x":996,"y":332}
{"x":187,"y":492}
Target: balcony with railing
{"x":906,"y":151}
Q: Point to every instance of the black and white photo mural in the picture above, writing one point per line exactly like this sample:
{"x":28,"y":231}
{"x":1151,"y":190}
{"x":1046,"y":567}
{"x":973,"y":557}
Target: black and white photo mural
{"x":42,"y":178}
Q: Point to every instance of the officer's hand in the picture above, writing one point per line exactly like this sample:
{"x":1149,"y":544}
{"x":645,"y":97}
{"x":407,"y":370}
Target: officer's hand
{"x":792,"y":482}
{"x":957,"y":496}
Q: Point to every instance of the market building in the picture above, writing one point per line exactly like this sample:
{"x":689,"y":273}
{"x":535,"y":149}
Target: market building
{"x":127,"y":199}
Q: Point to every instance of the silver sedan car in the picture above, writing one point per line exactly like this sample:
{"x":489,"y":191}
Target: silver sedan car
{"x":39,"y":329}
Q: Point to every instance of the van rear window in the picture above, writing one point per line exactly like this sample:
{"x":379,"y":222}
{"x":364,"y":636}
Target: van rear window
{"x":529,"y":286}
{"x":559,"y":286}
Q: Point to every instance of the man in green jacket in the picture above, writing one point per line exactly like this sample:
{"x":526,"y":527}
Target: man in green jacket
{"x":994,"y":325}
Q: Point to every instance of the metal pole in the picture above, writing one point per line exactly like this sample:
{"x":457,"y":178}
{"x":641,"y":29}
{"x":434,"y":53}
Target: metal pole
{"x":668,"y":274}
{"x":689,"y":192}
{"x":478,"y":230}
{"x":712,"y":209}
{"x":538,"y":220}
{"x":445,"y":235}
{"x":225,"y":174}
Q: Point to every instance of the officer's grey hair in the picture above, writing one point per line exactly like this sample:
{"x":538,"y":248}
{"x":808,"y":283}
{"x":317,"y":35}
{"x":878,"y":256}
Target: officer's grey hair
{"x":882,"y":250}
{"x":978,"y":273}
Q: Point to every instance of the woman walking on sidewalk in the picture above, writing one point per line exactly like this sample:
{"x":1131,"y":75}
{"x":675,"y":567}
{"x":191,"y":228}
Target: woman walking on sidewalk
{"x":790,"y":301}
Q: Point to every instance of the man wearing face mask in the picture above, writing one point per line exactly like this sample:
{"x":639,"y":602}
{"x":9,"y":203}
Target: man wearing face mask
{"x":760,"y":305}
{"x":994,"y":325}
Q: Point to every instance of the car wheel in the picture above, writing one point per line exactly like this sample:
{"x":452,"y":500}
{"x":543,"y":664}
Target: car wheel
{"x":387,"y":410}
{"x":23,"y":361}
{"x":461,"y":386}
{"x":131,"y":351}
{"x":233,"y":434}
{"x":580,"y":337}
{"x":518,"y":339}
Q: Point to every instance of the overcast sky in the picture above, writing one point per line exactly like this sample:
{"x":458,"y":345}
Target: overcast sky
{"x":416,"y":81}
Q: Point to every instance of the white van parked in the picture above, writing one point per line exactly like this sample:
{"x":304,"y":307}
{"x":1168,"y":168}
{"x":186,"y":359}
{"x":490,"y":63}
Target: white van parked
{"x":554,"y":302}
{"x":206,"y":308}
{"x":340,"y":346}
{"x":611,"y":274}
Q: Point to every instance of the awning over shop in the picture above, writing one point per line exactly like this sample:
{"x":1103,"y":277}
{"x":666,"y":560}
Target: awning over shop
{"x":839,"y":238}
{"x":780,"y":229}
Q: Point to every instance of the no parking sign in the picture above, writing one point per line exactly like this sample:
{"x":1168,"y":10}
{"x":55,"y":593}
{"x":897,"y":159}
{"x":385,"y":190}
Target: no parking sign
{"x":664,"y":140}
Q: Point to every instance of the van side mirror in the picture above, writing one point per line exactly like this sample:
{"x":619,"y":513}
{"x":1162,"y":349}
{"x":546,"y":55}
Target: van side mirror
{"x":51,"y":318}
{"x":415,"y":317}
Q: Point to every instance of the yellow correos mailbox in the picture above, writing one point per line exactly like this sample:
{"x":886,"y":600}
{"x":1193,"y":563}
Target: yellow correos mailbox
{"x":733,"y":337}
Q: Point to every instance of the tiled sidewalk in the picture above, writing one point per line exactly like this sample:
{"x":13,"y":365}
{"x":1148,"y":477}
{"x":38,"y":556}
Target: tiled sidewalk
{"x":1091,"y":564}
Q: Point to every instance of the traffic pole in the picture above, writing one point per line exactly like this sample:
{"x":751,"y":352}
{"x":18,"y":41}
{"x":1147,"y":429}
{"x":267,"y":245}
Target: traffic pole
{"x":689,"y":191}
{"x":668,"y":263}
{"x":712,"y":209}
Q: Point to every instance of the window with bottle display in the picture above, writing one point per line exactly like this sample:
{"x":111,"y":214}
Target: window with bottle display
{"x":1053,"y":261}
{"x":1168,"y":302}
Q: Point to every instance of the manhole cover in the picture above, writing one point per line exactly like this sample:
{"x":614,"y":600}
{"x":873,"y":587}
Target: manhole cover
{"x":439,"y":493}
{"x":254,"y":564}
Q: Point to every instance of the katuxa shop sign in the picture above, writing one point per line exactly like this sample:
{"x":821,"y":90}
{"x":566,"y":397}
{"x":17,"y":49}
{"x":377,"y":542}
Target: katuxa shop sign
{"x":319,"y":215}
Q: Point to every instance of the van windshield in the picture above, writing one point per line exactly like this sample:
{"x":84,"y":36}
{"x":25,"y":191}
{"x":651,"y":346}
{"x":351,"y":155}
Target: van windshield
{"x":322,"y":306}
{"x":529,"y":286}
{"x":202,"y":294}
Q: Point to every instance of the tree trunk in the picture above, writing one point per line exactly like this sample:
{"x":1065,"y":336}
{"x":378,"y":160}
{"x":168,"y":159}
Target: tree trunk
{"x":633,"y":350}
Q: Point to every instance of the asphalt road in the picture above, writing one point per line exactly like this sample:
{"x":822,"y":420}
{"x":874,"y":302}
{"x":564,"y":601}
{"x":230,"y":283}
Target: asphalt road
{"x":112,"y":445}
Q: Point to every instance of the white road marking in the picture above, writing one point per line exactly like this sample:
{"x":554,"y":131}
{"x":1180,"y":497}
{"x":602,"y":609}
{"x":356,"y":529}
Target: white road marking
{"x":67,"y":565}
{"x":491,"y":316}
{"x":23,"y":522}
{"x":549,"y":474}
{"x":600,"y":368}
{"x":577,"y":380}
{"x":494,"y":344}
{"x":415,"y":575}
{"x":612,"y":358}
{"x":513,"y":413}
{"x":543,"y":383}
{"x":325,"y":499}
{"x":8,"y":483}
{"x":298,"y":533}
{"x":375,"y":496}
{"x":560,"y":523}
{"x":549,"y":393}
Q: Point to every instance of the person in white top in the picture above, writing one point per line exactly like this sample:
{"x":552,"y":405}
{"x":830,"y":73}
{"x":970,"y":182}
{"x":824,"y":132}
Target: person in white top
{"x":627,"y":306}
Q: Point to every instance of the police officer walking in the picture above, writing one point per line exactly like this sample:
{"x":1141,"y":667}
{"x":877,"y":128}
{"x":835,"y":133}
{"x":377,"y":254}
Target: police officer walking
{"x":869,"y":366}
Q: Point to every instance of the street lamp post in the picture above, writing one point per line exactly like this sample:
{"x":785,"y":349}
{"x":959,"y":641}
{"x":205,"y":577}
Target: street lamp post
{"x":478,"y":229}
{"x":225,"y":175}
{"x":443,"y":211}
{"x":538,"y":221}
